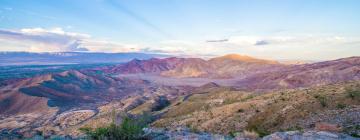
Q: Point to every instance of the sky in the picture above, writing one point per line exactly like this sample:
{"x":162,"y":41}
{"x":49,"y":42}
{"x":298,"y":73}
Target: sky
{"x":274,"y":29}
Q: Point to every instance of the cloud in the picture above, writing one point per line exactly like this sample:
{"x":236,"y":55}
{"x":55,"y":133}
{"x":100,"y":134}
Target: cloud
{"x":38,"y":39}
{"x":273,"y":47}
{"x":58,"y":40}
{"x":261,"y":42}
{"x":219,"y":40}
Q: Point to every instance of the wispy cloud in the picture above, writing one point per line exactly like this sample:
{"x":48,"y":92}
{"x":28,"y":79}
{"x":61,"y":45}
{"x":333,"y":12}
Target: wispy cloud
{"x":261,"y":42}
{"x":39,"y":39}
{"x":57,"y":40}
{"x":275,"y":47}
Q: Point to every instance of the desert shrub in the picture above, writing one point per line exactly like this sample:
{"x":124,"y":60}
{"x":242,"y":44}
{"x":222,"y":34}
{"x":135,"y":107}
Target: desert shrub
{"x":259,"y":130}
{"x":247,"y":98}
{"x":352,"y":130}
{"x":355,"y":135}
{"x":353,"y":93}
{"x":321,"y":99}
{"x":128,"y":129}
{"x":233,"y":134}
{"x":230,"y":101}
{"x":294,"y":128}
{"x":192,"y":129}
{"x":340,"y":106}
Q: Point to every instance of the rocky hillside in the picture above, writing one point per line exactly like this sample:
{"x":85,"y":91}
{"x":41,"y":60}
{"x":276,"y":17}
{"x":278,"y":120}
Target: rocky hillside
{"x":225,"y":110}
{"x":264,"y":97}
{"x":305,"y":75}
{"x":73,"y":89}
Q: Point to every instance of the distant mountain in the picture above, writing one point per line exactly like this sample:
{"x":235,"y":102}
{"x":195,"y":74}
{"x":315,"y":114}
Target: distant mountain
{"x":293,"y":76}
{"x":153,"y":65}
{"x":29,"y":58}
{"x":175,"y":92}
{"x":243,"y":58}
{"x":228,"y":66}
{"x":248,"y":73}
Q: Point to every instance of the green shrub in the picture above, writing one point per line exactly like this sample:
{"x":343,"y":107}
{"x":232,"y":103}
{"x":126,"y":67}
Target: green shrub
{"x":340,"y":106}
{"x":353,"y":93}
{"x":321,"y":99}
{"x":128,"y":129}
{"x":294,"y":128}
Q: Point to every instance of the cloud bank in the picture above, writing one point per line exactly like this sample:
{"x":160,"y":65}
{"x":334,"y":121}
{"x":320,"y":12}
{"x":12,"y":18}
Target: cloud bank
{"x":57,"y":40}
{"x":38,"y":39}
{"x":274,"y":47}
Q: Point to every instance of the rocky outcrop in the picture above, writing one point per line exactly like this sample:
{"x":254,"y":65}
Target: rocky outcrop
{"x":308,"y":135}
{"x":184,"y":133}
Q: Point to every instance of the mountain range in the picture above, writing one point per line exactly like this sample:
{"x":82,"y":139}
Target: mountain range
{"x":50,"y":58}
{"x":226,"y":83}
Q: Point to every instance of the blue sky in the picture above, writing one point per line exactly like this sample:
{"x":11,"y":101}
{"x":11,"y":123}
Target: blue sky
{"x":286,"y":29}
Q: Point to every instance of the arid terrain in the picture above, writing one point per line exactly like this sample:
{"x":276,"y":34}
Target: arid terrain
{"x":225,"y":95}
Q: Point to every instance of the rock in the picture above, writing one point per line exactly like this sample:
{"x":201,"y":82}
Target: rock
{"x":322,"y":126}
{"x":327,"y":134}
{"x":309,"y":135}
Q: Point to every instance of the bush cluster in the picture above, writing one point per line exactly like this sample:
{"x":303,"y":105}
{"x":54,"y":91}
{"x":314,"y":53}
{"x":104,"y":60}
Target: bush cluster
{"x":128,"y":129}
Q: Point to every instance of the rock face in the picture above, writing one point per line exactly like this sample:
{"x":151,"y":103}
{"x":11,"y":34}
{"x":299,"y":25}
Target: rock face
{"x":226,"y":110}
{"x":183,"y":133}
{"x":309,"y":135}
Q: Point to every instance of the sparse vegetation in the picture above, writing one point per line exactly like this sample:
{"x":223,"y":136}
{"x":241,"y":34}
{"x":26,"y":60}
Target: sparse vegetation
{"x":294,"y":128}
{"x":193,"y":129}
{"x":321,"y":99}
{"x":230,"y":101}
{"x":247,"y":98}
{"x":128,"y":129}
{"x":353,"y":130}
{"x":353,"y":93}
{"x":340,"y":106}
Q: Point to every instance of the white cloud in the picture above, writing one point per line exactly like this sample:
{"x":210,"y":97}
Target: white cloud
{"x":39,"y":39}
{"x":274,"y":47}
